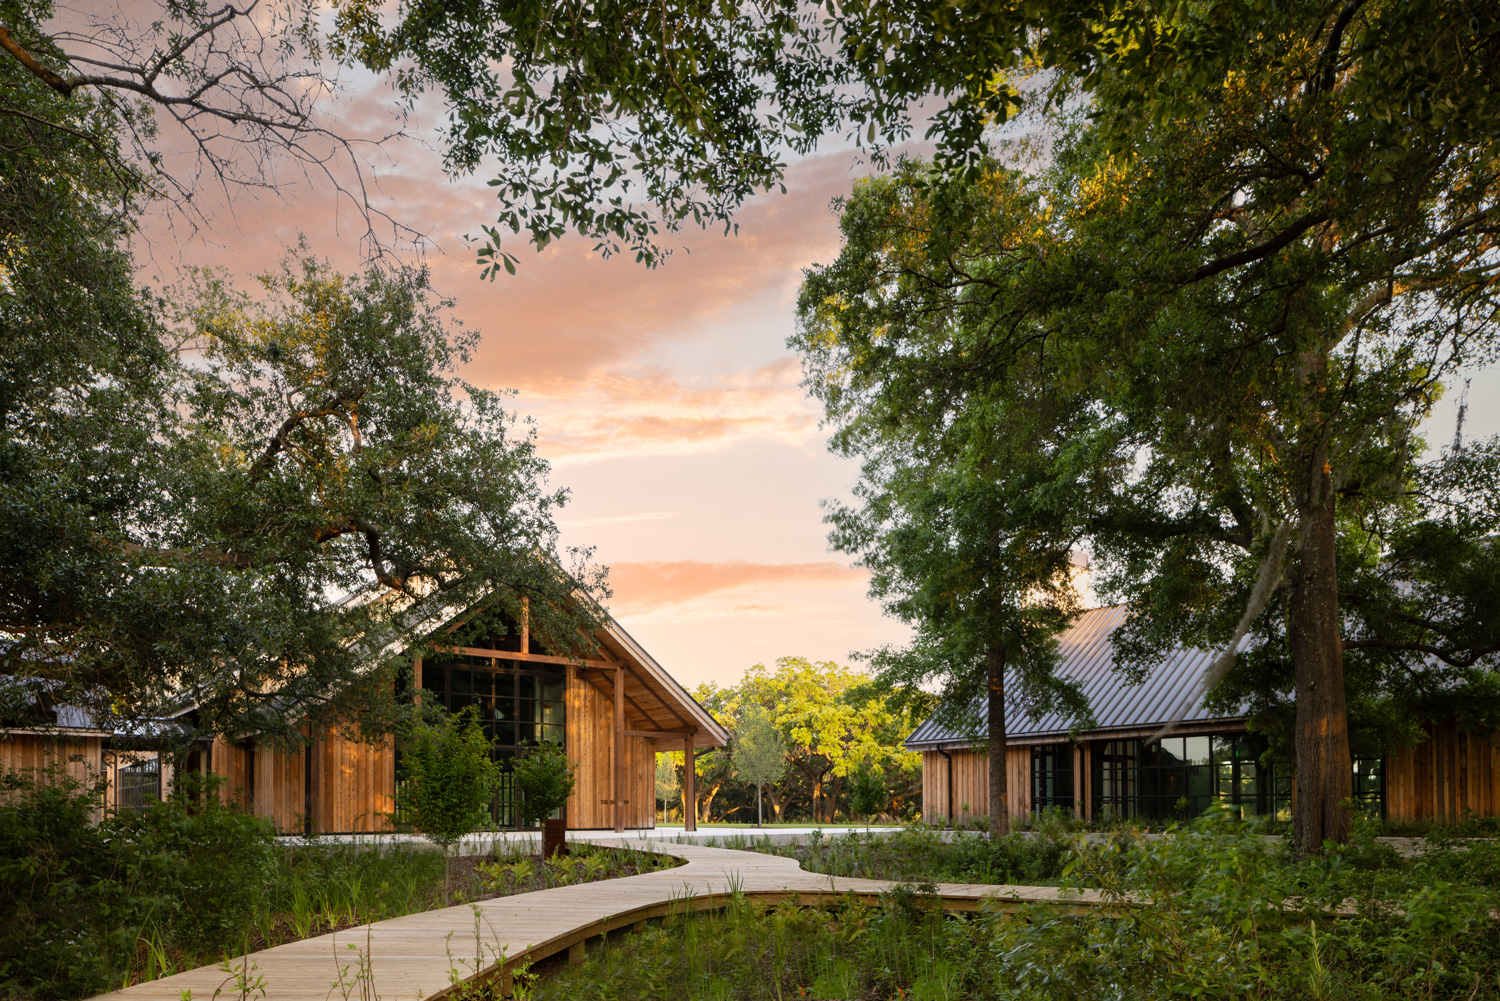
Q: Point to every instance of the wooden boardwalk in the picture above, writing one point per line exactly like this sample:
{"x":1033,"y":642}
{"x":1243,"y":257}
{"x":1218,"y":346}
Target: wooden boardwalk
{"x":420,"y":956}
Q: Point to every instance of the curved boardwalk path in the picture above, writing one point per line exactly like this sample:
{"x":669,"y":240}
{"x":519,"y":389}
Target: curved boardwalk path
{"x":418,"y":956}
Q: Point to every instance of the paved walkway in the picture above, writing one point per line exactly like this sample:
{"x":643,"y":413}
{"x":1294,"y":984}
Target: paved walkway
{"x":486,"y":842}
{"x":419,"y":956}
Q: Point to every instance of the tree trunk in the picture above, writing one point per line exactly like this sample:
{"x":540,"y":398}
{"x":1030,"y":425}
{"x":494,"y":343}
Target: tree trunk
{"x":760,"y":817}
{"x":1323,"y":769}
{"x":708,"y":804}
{"x":999,"y":791}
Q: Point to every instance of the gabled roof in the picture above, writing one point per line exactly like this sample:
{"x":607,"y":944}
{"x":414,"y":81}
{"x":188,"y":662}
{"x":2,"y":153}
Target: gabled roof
{"x":661,"y":688}
{"x":1085,"y":655}
{"x":656,"y":700}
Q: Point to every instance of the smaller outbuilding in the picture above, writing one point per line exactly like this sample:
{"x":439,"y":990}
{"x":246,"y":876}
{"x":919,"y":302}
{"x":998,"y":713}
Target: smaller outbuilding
{"x":1120,"y":770}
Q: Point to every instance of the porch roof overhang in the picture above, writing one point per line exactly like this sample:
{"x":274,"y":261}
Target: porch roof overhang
{"x":657,"y":706}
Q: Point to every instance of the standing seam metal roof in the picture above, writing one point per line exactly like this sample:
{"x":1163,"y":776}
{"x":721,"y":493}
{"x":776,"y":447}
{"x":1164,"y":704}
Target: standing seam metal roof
{"x":1086,"y":655}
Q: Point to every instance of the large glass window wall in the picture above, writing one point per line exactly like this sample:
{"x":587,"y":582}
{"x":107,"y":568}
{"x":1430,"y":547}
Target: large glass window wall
{"x":1180,"y":777}
{"x":519,"y":704}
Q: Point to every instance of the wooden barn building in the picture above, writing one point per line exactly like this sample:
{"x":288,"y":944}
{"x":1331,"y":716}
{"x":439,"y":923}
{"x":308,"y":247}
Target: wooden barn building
{"x":1117,"y":771}
{"x":612,"y":713}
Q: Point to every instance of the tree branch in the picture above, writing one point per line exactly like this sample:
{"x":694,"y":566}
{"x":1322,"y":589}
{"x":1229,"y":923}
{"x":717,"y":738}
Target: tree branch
{"x":1329,"y":60}
{"x":37,"y":70}
{"x":1449,"y":657}
{"x":277,"y":444}
{"x":1264,"y":250}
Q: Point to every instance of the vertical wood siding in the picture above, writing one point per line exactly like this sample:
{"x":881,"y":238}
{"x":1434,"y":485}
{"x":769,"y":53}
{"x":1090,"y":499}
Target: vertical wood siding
{"x":33,"y":754}
{"x":280,"y":794}
{"x":971,"y":784}
{"x":355,"y":783}
{"x":1450,"y":775}
{"x":357,"y":790}
{"x":591,"y":747}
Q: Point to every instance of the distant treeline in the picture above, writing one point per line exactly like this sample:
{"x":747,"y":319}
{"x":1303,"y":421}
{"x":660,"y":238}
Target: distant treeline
{"x":837,"y":737}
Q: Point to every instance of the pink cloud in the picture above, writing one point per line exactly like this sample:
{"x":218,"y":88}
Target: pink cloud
{"x":648,"y":586}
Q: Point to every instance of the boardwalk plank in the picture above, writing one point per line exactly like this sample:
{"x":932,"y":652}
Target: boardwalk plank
{"x":411,"y":956}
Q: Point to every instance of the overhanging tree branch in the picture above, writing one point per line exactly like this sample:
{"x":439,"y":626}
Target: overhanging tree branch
{"x":1263,"y":250}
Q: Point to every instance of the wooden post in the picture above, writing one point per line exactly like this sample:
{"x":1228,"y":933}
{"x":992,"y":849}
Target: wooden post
{"x":619,"y":750}
{"x":315,"y":818}
{"x":689,"y":794}
{"x":1078,"y":780}
{"x":525,"y":625}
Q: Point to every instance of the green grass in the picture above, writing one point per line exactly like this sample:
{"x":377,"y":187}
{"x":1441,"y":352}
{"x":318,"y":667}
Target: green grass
{"x":1214,"y":910}
{"x":751,"y":951}
{"x":924,"y":855}
{"x":96,"y":906}
{"x":316,"y":889}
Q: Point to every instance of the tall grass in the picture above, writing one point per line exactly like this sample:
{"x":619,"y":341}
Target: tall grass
{"x":751,"y":951}
{"x":91,"y":907}
{"x":923,"y":854}
{"x":1213,"y":910}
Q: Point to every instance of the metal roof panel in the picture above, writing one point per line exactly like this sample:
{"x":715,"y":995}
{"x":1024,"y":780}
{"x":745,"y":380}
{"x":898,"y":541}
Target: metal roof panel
{"x":1086,"y":656}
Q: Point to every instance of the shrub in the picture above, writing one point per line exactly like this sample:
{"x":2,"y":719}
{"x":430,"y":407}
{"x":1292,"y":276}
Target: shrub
{"x":79,"y":898}
{"x":450,"y":780}
{"x":544,"y":778}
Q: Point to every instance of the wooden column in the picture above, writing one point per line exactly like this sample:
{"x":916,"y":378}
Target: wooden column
{"x":1077,"y":753}
{"x":619,"y":749}
{"x":315,"y":817}
{"x":689,"y":793}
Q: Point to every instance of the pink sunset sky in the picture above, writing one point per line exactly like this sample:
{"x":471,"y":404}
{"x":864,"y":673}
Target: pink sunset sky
{"x":666,"y":400}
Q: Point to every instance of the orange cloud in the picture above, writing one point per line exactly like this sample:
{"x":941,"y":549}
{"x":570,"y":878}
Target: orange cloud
{"x":652,"y":412}
{"x":568,"y":313}
{"x":648,"y":586}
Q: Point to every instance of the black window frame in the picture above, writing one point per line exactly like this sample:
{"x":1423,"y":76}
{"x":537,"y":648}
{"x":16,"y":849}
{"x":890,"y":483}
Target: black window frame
{"x":537,"y":710}
{"x":1134,"y":780}
{"x":1052,"y":777}
{"x":137,"y":782}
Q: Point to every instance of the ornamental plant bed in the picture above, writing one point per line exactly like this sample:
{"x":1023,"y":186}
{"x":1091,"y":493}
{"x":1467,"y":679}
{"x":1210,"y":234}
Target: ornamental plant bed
{"x":92,"y":907}
{"x":1217,"y":911}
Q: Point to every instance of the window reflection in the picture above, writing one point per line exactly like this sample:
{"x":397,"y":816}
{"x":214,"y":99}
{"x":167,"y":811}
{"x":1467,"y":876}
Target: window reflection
{"x":1182,"y":776}
{"x":520,"y":704}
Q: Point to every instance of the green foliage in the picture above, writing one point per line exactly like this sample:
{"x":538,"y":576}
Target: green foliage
{"x":957,"y":512}
{"x":80,"y":898}
{"x":94,"y":907}
{"x":621,"y":125}
{"x":522,"y":872}
{"x":192,"y":485}
{"x":668,"y":782}
{"x":319,"y":445}
{"x":759,"y":755}
{"x":1214,"y":910}
{"x":544,"y":777}
{"x":921,"y":855}
{"x":450,"y":778}
{"x":749,"y":950}
{"x":1228,"y":914}
{"x":828,"y":720}
{"x":758,"y":749}
{"x":1200,"y":347}
{"x":867,"y":792}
